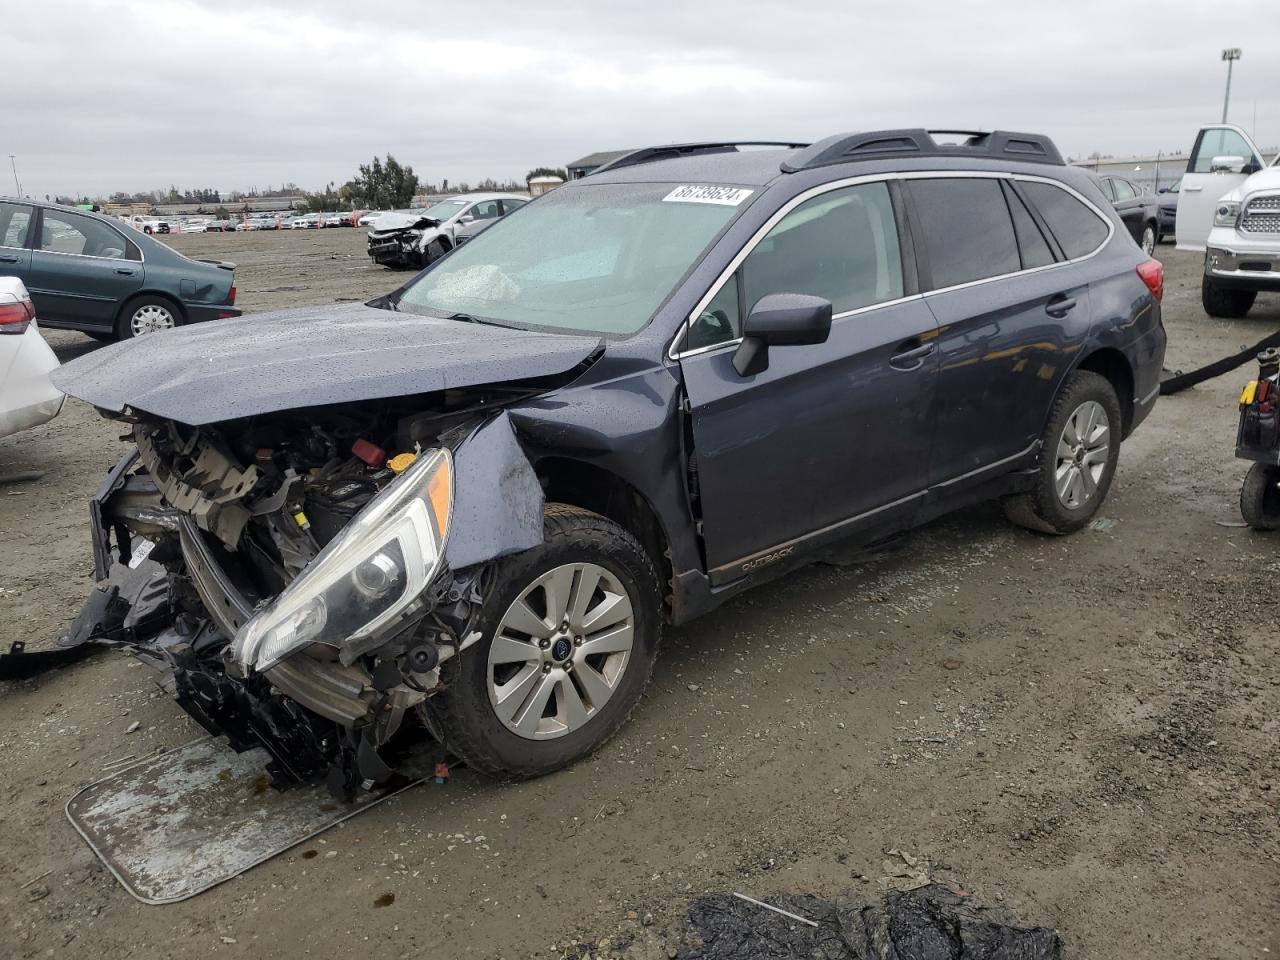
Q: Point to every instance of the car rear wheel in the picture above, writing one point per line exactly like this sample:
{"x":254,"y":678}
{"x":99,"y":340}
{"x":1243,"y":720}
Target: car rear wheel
{"x":1149,"y":239}
{"x":146,"y":314}
{"x":1079,"y":449}
{"x":1226,"y":303}
{"x":570,"y":632}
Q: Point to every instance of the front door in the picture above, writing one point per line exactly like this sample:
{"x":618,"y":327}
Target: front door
{"x":831,"y":437}
{"x":15,"y":230}
{"x":82,"y":270}
{"x":1205,"y":182}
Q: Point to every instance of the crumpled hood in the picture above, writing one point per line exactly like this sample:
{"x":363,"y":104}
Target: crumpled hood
{"x":338,"y":353}
{"x":400,"y":221}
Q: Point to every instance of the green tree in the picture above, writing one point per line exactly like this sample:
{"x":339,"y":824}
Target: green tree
{"x":546,"y":172}
{"x":382,"y":185}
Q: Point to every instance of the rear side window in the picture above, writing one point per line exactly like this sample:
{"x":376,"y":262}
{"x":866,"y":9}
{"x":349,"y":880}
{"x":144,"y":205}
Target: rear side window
{"x":62,"y":232}
{"x":1124,"y":190}
{"x":1079,"y":231}
{"x":968,"y":233}
{"x":1031,"y":242}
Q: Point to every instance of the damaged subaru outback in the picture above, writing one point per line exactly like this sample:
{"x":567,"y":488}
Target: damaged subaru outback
{"x":461,"y":514}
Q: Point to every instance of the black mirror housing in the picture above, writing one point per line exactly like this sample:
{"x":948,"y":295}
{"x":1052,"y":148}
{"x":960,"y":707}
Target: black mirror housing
{"x":780,"y":320}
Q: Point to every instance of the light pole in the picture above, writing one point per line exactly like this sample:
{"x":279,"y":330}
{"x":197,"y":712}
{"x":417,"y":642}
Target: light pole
{"x":1231,"y":55}
{"x":13,"y":161}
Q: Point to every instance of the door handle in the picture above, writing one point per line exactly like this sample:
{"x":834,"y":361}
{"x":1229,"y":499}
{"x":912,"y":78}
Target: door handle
{"x":1193,"y":188}
{"x":911,"y":354}
{"x":125,"y":271}
{"x":1059,"y":305}
{"x":8,"y":259}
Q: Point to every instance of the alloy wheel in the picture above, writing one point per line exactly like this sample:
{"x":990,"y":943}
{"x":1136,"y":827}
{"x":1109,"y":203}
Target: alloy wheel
{"x":1083,"y":450}
{"x":1149,"y":240}
{"x":150,"y":318}
{"x":560,"y":651}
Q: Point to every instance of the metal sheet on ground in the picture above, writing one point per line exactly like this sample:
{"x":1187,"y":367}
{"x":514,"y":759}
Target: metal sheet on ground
{"x":181,"y":822}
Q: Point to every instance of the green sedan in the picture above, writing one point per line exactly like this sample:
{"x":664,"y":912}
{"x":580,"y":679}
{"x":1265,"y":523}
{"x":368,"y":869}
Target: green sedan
{"x":92,"y":273}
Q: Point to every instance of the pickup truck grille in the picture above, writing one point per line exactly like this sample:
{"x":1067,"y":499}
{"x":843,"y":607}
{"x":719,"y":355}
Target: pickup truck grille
{"x":1261,"y":215}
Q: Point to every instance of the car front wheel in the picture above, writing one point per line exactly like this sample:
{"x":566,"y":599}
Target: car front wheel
{"x":1079,"y":449}
{"x":569,"y":634}
{"x":1225,"y":303}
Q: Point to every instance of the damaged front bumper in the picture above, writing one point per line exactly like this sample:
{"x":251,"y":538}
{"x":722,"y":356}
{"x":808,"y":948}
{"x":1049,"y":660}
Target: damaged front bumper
{"x":173,"y":592}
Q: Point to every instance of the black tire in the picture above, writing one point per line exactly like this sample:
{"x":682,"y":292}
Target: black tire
{"x":1150,"y":237}
{"x":1260,"y":497}
{"x":124,"y":325}
{"x":1225,"y":302}
{"x":463,"y":711}
{"x":435,"y":250}
{"x":1041,"y":509}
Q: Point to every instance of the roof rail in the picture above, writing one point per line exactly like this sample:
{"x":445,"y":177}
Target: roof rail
{"x":886,"y":144}
{"x":670,"y":150}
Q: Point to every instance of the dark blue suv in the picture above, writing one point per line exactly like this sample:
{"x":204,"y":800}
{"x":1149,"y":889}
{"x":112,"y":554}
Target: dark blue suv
{"x":461,"y":513}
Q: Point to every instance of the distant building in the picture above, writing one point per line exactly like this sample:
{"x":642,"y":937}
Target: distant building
{"x":540,"y":185}
{"x":593,"y":161}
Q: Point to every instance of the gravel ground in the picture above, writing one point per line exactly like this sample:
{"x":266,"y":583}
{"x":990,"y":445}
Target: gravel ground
{"x":1082,"y":730}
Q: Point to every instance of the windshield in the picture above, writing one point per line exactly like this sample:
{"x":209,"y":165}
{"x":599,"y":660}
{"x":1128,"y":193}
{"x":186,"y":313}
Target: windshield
{"x":599,"y":258}
{"x":443,"y":210}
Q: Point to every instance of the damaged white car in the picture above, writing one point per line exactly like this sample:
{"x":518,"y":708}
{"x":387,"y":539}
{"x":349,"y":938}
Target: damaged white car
{"x":416,"y":238}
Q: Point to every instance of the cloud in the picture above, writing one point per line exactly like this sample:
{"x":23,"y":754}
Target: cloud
{"x":232,"y":94}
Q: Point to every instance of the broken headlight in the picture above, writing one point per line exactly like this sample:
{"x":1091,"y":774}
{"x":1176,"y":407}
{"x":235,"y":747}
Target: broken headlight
{"x":367,"y":575}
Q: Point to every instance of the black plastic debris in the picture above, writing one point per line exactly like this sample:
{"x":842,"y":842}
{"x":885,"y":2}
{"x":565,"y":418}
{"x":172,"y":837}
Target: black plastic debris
{"x":929,"y":923}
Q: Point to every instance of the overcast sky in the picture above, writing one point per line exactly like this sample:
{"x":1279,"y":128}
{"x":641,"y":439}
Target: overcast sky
{"x":234,"y":94}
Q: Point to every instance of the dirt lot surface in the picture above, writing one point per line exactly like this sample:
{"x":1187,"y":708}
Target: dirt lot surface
{"x":1082,"y":729}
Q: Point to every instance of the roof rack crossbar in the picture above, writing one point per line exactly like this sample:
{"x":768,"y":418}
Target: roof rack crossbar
{"x":669,"y":150}
{"x":883,"y":144}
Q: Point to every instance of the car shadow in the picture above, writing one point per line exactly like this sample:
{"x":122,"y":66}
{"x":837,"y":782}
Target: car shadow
{"x":68,"y":347}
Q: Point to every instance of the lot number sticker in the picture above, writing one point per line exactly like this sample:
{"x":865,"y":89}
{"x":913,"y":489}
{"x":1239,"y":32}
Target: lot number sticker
{"x":705,"y":193}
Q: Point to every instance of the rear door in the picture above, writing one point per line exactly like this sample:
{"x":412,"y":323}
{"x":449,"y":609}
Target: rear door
{"x":1000,"y":303}
{"x":831,"y":438}
{"x":1205,"y":182}
{"x":15,"y":233}
{"x":82,"y":270}
{"x":1129,"y":204}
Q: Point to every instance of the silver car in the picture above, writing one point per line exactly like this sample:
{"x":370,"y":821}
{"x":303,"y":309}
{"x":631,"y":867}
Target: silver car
{"x":415,"y":238}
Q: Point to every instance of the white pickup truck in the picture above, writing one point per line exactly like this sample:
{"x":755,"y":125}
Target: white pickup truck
{"x":1229,"y":207}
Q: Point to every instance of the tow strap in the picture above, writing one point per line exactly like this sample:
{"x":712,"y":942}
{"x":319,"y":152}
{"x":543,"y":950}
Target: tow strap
{"x":1178,"y":381}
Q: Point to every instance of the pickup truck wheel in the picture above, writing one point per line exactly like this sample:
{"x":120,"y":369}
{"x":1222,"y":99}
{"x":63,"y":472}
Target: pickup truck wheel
{"x":1149,"y":238}
{"x":147,"y":314}
{"x":1225,"y":302}
{"x":570,"y":632}
{"x":1260,"y":497}
{"x":1079,"y":449}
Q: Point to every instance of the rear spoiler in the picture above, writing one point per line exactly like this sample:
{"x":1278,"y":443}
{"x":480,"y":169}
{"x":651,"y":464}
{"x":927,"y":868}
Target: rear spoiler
{"x":223,"y":264}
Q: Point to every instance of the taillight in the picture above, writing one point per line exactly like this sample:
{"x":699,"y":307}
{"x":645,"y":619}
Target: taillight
{"x":16,"y":316}
{"x":231,"y":297}
{"x":1152,"y":274}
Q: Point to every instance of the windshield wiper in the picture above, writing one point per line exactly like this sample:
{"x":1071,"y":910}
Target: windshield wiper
{"x":466,"y":318}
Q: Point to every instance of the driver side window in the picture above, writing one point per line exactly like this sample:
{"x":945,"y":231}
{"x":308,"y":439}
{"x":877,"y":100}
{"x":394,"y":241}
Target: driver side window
{"x":841,"y":245}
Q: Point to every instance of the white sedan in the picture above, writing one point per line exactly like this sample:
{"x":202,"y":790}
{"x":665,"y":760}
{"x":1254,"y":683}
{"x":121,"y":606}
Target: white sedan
{"x":27,"y":397}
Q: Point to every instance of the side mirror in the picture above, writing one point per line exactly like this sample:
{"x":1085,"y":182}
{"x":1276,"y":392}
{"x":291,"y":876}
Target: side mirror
{"x":780,"y":320}
{"x":1226,"y":164}
{"x":465,"y":219}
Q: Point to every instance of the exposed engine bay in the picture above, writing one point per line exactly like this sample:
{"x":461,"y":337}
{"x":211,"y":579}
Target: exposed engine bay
{"x":299,"y":578}
{"x":398,"y":240}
